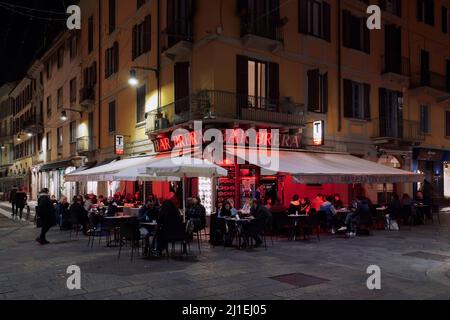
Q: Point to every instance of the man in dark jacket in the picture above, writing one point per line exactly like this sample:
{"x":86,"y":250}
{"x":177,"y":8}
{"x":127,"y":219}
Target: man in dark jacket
{"x":21,"y":201}
{"x":46,"y":212}
{"x":12,"y":200}
{"x":262,"y":216}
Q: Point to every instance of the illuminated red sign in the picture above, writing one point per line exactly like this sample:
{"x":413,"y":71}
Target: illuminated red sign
{"x":234,"y":137}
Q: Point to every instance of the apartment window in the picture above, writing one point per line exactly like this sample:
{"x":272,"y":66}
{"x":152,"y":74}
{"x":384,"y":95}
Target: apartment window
{"x":314,"y":18}
{"x":356,"y":100}
{"x":90,"y":76}
{"x":141,"y":93}
{"x":445,"y":20}
{"x":424,"y":119}
{"x":356,"y":33}
{"x":112,"y":117}
{"x":60,"y":57}
{"x":73,"y":132}
{"x":142,"y":38}
{"x":49,"y":141}
{"x":73,"y":90}
{"x":425,"y":67}
{"x":90,"y":34}
{"x":73,"y":47}
{"x":49,"y":106}
{"x":391,"y":113}
{"x":258,"y":17}
{"x":257,"y":84}
{"x":112,"y":60}
{"x":391,"y":6}
{"x":447,"y":123}
{"x":425,"y":11}
{"x":60,"y":98}
{"x":317,"y":91}
{"x":179,"y":19}
{"x":112,"y":16}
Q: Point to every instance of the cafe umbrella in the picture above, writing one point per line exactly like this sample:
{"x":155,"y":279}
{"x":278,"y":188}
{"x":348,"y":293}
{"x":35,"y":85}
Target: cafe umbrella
{"x":184,"y":167}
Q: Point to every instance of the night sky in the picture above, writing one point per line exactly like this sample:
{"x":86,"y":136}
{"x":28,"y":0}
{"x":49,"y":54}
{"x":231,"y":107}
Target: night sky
{"x":26,"y":28}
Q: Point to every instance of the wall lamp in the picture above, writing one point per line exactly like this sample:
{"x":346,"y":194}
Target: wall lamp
{"x":64,"y":116}
{"x":133,"y":80}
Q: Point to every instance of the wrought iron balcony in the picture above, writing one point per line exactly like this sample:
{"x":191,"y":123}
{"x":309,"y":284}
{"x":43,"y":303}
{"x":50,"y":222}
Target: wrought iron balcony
{"x":87,"y":97}
{"x":226,"y":106}
{"x":431,"y":80}
{"x":385,"y":129}
{"x":390,"y":66}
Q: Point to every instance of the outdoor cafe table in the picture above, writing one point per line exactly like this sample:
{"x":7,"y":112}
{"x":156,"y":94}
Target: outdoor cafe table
{"x":115,"y":224}
{"x":239,"y":223}
{"x":297,"y":219}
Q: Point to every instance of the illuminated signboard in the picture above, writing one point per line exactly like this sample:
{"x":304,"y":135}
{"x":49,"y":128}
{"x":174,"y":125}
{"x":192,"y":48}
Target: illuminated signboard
{"x":318,"y":136}
{"x":232,"y":138}
{"x":120,"y":145}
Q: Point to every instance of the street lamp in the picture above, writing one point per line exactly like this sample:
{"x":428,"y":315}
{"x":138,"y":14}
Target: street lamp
{"x":3,"y":147}
{"x":19,"y":138}
{"x":30,"y":134}
{"x":133,"y":80}
{"x":63,"y":116}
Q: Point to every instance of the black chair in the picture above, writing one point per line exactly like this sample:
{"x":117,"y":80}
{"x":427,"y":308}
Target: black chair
{"x":172,"y":235}
{"x":364,"y":223}
{"x":102,"y":229}
{"x":313,"y":224}
{"x":281,"y":223}
{"x":75,"y":226}
{"x":268,"y":231}
{"x":199,"y":226}
{"x":129,"y":232}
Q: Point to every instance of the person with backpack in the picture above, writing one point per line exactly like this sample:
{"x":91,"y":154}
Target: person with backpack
{"x":47,"y":216}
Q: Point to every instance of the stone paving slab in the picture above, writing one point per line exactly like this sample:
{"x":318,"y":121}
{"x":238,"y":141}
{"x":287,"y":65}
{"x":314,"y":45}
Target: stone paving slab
{"x":29,"y":271}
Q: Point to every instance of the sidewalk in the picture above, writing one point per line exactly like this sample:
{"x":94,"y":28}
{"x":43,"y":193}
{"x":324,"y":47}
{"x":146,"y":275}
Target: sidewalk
{"x":5,"y":209}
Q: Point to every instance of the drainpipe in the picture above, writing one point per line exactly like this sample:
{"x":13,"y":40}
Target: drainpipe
{"x":339,"y":77}
{"x":158,"y":67}
{"x":99,"y":99}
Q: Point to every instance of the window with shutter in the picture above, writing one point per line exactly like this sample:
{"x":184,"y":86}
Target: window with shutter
{"x":356,"y":100}
{"x":314,"y":18}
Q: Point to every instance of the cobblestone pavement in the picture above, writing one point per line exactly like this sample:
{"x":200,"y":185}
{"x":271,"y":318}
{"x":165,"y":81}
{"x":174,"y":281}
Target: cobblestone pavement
{"x":415,"y":264}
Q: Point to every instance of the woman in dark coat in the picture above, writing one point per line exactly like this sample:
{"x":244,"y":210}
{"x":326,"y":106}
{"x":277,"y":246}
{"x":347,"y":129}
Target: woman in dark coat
{"x":169,"y":222}
{"x":47,"y":215}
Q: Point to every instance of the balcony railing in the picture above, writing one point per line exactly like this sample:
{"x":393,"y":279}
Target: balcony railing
{"x":432,"y":80}
{"x":266,"y":28}
{"x":213,"y":105}
{"x":84,"y":145}
{"x":401,"y":67}
{"x":385,"y":128}
{"x":87,"y":96}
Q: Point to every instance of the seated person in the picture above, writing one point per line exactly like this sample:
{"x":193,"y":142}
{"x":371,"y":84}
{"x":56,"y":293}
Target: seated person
{"x":255,"y":227}
{"x":197,"y":213}
{"x":148,"y":213}
{"x":338,"y":204}
{"x":330,"y":213}
{"x":295,"y":206}
{"x":227,"y":210}
{"x":362,"y":209}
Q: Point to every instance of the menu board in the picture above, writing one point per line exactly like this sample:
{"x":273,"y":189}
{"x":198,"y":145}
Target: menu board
{"x":227,"y":186}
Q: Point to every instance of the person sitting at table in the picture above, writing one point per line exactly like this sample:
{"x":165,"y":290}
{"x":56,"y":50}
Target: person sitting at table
{"x":78,"y":215}
{"x":269,"y":203}
{"x":225,"y":210}
{"x":102,"y":199}
{"x":330,"y":213}
{"x":317,"y":202}
{"x":360,"y":208}
{"x":305,"y":206}
{"x":151,"y":197}
{"x":87,"y":203}
{"x":62,"y":212}
{"x":394,"y":207}
{"x":337,"y":203}
{"x":148,"y":212}
{"x":256,"y":226}
{"x":169,"y":219}
{"x":295,"y":206}
{"x":197,"y":213}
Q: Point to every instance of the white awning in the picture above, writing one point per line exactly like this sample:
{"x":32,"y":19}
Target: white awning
{"x":108,"y":171}
{"x":309,"y":167}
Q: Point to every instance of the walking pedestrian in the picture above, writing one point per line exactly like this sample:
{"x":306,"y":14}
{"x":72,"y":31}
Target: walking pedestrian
{"x":12,"y":200}
{"x":21,"y":201}
{"x":46,"y":212}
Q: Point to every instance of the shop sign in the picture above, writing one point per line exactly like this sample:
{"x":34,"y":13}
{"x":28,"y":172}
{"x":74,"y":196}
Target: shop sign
{"x":120,"y":145}
{"x":231,"y":137}
{"x":430,"y":155}
{"x":318,"y":135}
